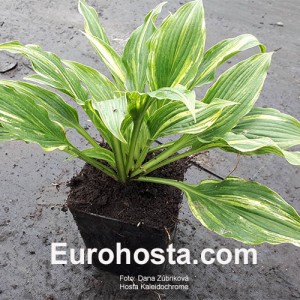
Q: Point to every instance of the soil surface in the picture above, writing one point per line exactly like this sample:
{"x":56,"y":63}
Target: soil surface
{"x":136,"y":202}
{"x":33,"y":183}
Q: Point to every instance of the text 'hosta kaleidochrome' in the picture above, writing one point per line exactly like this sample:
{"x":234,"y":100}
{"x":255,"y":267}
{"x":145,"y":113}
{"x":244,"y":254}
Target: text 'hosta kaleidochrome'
{"x":151,"y":96}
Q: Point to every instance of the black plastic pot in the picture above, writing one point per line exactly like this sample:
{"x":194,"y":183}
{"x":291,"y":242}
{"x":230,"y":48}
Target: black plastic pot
{"x":102,"y":232}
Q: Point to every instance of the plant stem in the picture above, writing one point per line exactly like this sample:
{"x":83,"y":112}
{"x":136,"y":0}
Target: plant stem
{"x":170,"y":160}
{"x":162,"y":146}
{"x":93,"y":162}
{"x":138,"y":118}
{"x":172,"y":182}
{"x":87,"y":136}
{"x":152,"y":164}
{"x":179,"y":156}
{"x":117,"y":149}
{"x":147,"y":151}
{"x":135,"y":133}
{"x":142,"y":156}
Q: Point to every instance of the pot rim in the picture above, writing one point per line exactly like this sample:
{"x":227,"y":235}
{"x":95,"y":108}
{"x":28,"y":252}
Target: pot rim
{"x":142,"y":225}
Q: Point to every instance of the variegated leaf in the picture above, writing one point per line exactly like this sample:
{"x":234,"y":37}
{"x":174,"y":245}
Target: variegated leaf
{"x":249,"y":146}
{"x":5,"y":135}
{"x":112,"y":113}
{"x":176,"y":47}
{"x":50,"y":70}
{"x":220,"y":53}
{"x":91,"y":21}
{"x":138,"y":104}
{"x":283,"y":129}
{"x":98,"y":85}
{"x":174,"y":118}
{"x":101,"y":154}
{"x":28,"y":121}
{"x":178,"y":93}
{"x":97,"y":122}
{"x":261,"y":131}
{"x":135,"y":55}
{"x":241,"y":84}
{"x":111,"y":59}
{"x":240,"y":209}
{"x":114,"y":107}
{"x":243,"y":210}
{"x":56,"y":107}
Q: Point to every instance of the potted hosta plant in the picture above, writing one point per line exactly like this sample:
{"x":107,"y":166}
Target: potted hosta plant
{"x":130,"y":188}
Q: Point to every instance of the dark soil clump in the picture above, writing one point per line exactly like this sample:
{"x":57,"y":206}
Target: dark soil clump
{"x":154,"y":205}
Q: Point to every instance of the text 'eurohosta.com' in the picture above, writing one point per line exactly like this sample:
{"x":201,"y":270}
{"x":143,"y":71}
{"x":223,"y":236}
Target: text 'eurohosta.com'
{"x":61,"y":254}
